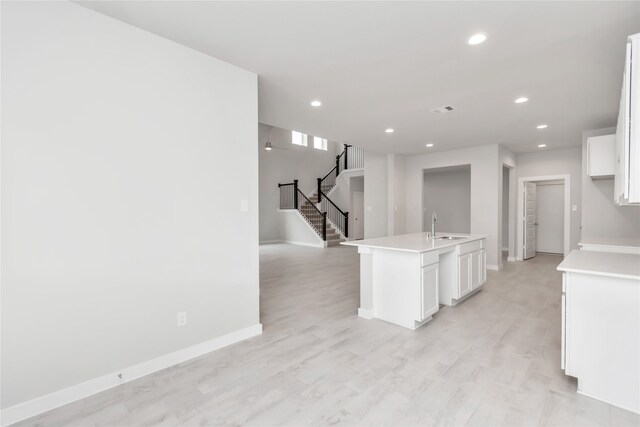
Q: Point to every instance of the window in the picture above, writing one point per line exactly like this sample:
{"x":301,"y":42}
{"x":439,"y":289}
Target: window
{"x":320,"y":143}
{"x":298,"y":138}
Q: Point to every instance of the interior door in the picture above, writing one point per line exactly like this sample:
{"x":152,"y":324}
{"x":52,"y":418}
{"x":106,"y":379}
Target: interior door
{"x":550,"y":218}
{"x":358,"y":215}
{"x":529,"y":220}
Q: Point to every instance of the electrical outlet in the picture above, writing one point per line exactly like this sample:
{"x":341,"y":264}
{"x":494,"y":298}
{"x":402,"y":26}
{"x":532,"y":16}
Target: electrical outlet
{"x":181,"y":318}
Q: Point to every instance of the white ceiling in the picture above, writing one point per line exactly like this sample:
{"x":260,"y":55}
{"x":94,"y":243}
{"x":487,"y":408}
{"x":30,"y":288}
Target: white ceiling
{"x":385,"y":64}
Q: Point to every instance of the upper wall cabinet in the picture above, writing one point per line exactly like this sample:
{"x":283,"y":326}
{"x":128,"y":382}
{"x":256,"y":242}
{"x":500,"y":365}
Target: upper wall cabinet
{"x":601,"y":156}
{"x":627,"y":172}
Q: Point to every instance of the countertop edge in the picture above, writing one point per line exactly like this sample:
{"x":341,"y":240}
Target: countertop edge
{"x":416,"y":251}
{"x":598,"y":273}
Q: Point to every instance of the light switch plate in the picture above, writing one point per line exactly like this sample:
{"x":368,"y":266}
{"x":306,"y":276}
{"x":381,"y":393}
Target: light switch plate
{"x":181,"y":318}
{"x":244,"y":205}
{"x":369,"y":208}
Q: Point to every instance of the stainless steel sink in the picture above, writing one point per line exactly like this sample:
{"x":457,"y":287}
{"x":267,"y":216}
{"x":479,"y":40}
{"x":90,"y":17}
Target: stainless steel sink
{"x":450,"y":237}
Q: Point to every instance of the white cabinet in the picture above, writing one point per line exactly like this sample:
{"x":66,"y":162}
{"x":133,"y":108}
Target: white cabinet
{"x":429,"y":292}
{"x":478,"y":268}
{"x":601,"y":156}
{"x":464,"y":275}
{"x":627,"y":166}
{"x":472,"y":268}
{"x":472,"y":272}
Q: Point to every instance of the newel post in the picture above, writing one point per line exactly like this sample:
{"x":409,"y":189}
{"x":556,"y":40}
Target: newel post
{"x":346,"y":224}
{"x":319,"y":190}
{"x":346,"y":153}
{"x":295,"y":194}
{"x":324,"y":226}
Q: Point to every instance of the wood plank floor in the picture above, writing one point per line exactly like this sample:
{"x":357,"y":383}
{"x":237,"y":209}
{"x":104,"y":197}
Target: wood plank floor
{"x":491,"y":361}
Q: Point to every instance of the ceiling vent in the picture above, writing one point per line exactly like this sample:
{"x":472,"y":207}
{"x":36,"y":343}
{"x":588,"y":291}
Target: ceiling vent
{"x":442,"y":110}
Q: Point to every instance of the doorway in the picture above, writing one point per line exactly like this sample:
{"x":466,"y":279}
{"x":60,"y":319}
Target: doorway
{"x":358,"y":215}
{"x":549,"y":220}
{"x":356,"y":207}
{"x":543,"y":210}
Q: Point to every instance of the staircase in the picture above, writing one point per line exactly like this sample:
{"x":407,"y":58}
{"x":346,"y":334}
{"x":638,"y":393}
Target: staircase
{"x":322,"y":214}
{"x":310,"y":212}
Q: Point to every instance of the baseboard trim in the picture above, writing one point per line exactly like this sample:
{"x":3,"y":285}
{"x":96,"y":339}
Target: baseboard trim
{"x":493,"y":267}
{"x":634,"y":410}
{"x":511,"y":258}
{"x":269,"y":242}
{"x":365,"y":313}
{"x":312,"y":245}
{"x":76,"y":392}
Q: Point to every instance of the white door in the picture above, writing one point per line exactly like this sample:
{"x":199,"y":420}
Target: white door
{"x":529,"y":220}
{"x":358,"y":215}
{"x":550,"y":218}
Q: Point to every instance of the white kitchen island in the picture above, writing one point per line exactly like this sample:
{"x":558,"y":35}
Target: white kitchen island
{"x":601,"y":325}
{"x":405,"y":278}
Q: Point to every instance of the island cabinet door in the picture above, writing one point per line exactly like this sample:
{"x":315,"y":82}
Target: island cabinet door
{"x":464,"y":275}
{"x":429,"y":292}
{"x":477,"y":267}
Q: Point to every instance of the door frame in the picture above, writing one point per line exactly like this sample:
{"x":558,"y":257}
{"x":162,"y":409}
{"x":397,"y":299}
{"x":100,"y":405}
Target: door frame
{"x":353,"y":225}
{"x":566,"y":211}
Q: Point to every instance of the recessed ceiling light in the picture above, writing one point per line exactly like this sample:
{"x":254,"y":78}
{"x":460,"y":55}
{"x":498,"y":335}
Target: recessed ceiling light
{"x":542,"y":145}
{"x":316,"y":103}
{"x":389,"y":130}
{"x":521,"y":100}
{"x":541,"y":126}
{"x":477,"y":39}
{"x":429,"y":145}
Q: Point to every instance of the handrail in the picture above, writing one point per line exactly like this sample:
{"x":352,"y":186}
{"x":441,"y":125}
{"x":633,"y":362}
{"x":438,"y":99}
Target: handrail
{"x":339,"y":218}
{"x":334,"y":205}
{"x":310,"y":202}
{"x":324,"y":177}
{"x":322,"y":214}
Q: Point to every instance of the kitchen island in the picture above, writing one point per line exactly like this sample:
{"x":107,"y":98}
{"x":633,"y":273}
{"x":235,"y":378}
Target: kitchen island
{"x":405,"y":278}
{"x":601,"y":325}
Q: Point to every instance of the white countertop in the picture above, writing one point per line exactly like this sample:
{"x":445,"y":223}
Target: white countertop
{"x":416,"y":242}
{"x":610,"y":241}
{"x":626,"y":266}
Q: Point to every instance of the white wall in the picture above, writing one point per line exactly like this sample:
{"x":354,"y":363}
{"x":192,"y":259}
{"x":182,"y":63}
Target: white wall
{"x":485,"y":190}
{"x":375,"y":195}
{"x":600,"y":216}
{"x":124,"y":160}
{"x":283,"y":164}
{"x":448,"y":193}
{"x":558,"y":162}
{"x":396,"y":183}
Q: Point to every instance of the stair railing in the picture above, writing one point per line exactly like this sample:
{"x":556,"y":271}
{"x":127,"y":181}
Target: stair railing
{"x":339,"y":219}
{"x":290,"y":199}
{"x":289,"y":195}
{"x":350,"y":158}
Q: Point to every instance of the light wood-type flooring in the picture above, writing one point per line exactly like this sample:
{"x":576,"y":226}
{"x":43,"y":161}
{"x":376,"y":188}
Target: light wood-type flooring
{"x":493,"y":360}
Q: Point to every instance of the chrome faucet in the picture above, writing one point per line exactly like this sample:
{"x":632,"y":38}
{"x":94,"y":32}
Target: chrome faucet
{"x":434,"y":219}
